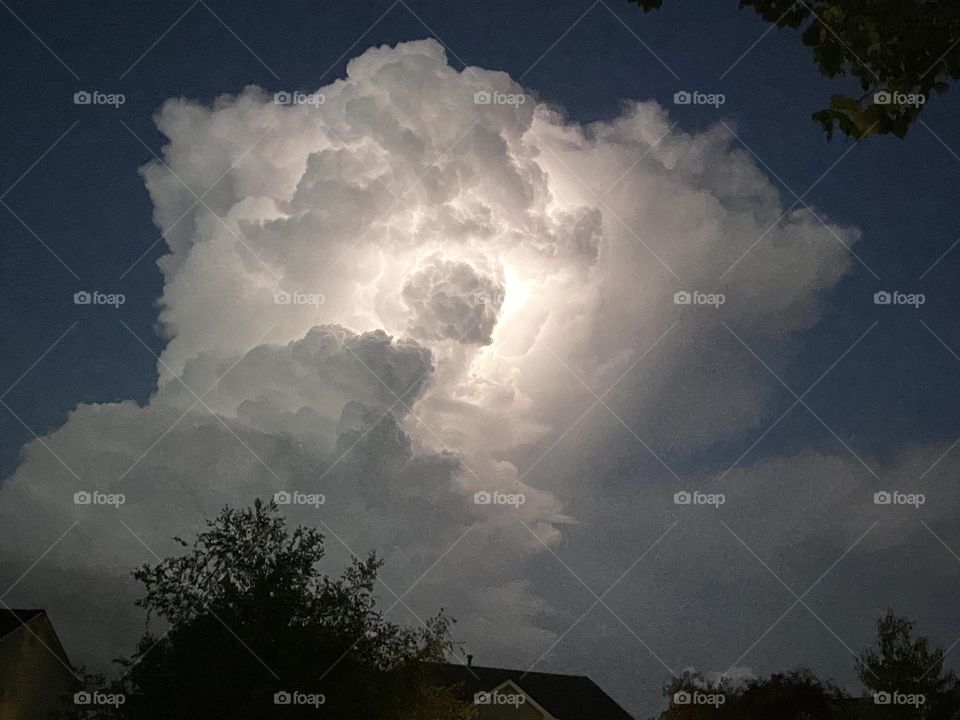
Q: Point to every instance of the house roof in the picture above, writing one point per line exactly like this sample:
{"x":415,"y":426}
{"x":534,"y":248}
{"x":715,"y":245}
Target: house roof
{"x":13,"y":618}
{"x":565,"y":697}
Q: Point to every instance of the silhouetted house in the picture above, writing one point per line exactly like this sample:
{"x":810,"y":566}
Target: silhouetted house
{"x":518,"y":695}
{"x":35,"y":673}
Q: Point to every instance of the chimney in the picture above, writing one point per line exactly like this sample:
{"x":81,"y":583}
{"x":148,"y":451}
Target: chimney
{"x":469,"y":660}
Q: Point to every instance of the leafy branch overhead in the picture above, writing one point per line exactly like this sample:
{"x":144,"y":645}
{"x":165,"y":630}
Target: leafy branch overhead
{"x":901,"y":53}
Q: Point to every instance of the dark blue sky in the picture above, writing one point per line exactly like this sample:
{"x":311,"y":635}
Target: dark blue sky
{"x":75,"y":215}
{"x":87,"y":203}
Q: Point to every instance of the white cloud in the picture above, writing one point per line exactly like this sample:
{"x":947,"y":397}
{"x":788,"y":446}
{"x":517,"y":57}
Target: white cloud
{"x":479,"y":266}
{"x":452,"y":300}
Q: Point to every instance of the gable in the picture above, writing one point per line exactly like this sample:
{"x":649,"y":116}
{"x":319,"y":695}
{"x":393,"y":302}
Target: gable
{"x":552,"y":696}
{"x":35,"y":674}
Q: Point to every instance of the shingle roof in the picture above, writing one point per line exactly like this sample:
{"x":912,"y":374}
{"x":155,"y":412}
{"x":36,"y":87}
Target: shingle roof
{"x":12,"y":619}
{"x":565,"y":697}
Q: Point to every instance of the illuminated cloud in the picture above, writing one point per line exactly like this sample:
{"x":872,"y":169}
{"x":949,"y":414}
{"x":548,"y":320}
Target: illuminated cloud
{"x":451,"y":300}
{"x":401,"y":298}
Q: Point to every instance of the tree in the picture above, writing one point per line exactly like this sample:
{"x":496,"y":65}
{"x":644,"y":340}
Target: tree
{"x":786,"y":696}
{"x":900,"y":52}
{"x":688,"y":696}
{"x":906,"y":679}
{"x":253,"y":623}
{"x":899,"y":665}
{"x":794,"y":695}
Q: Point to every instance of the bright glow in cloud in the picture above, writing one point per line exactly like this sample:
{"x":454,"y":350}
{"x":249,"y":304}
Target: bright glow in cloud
{"x":480,"y":267}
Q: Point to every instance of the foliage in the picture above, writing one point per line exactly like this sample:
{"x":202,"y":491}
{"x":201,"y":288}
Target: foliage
{"x":897,"y":667}
{"x":252,"y":619}
{"x":899,"y":663}
{"x":787,"y":696}
{"x":892,"y":47}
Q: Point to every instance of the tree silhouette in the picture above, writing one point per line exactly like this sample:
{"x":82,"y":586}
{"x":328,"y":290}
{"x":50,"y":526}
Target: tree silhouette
{"x":786,"y":696}
{"x":898,"y":667}
{"x":905,"y":678}
{"x":684,"y":701}
{"x":257,"y":631}
{"x":793,"y":695}
{"x":897,"y":50}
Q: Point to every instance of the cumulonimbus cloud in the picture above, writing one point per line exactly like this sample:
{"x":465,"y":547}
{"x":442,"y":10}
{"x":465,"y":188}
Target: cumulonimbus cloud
{"x":400,"y":295}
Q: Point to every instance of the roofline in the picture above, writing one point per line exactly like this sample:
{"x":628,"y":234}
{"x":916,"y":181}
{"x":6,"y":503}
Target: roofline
{"x":514,"y":670}
{"x":529,"y":698}
{"x":518,"y":682}
{"x":38,"y":613}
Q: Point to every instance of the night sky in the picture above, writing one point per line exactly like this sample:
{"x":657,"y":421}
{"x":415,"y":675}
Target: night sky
{"x":832,"y":397}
